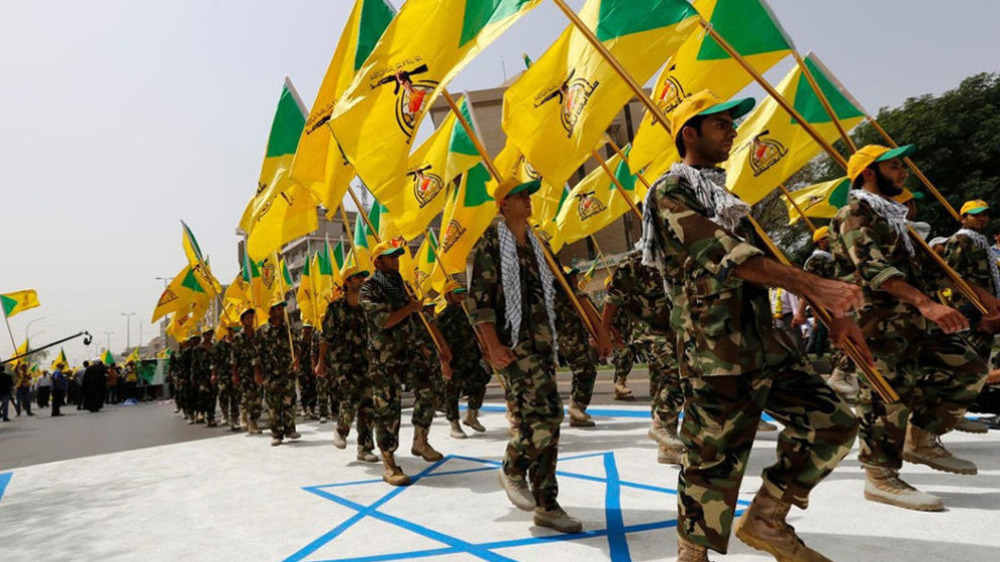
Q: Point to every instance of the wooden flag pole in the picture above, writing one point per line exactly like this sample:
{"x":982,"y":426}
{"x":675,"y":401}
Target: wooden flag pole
{"x":9,"y":332}
{"x":600,"y":254}
{"x":549,"y":258}
{"x":798,"y":209}
{"x":824,"y":101}
{"x":618,"y":184}
{"x":281,"y":284}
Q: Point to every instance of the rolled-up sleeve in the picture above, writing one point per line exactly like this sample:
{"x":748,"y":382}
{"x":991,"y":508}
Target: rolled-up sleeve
{"x":864,"y":248}
{"x":481,"y":299}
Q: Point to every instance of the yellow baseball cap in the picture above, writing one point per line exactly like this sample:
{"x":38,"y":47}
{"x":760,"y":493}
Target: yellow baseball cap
{"x":974,"y":207}
{"x":453,"y":287}
{"x":352,"y":271}
{"x":706,"y":102}
{"x":868,"y":155}
{"x":821,"y":233}
{"x":571,"y":270}
{"x":386,"y":248}
{"x":513,"y":186}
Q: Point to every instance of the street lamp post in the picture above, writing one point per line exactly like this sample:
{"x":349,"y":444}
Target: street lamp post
{"x":128,"y":329}
{"x":108,"y":334}
{"x":28,"y":327}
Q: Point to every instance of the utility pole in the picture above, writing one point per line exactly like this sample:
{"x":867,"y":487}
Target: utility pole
{"x":128,"y":330}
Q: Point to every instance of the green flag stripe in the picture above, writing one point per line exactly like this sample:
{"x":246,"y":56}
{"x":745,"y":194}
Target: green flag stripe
{"x":287,"y":126}
{"x":475,"y":186}
{"x":9,"y":304}
{"x":191,"y":282}
{"x":460,"y":141}
{"x":192,"y":239}
{"x":480,"y":13}
{"x":838,"y":197}
{"x":623,"y":175}
{"x":808,"y":104}
{"x":618,"y":18}
{"x":746,"y":25}
{"x":338,"y":254}
{"x":375,"y":17}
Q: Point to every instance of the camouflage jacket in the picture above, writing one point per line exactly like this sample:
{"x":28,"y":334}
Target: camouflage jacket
{"x":822,"y":264}
{"x":201,"y":364}
{"x":385,"y":344}
{"x":184,"y":365}
{"x":868,"y":251}
{"x":723,"y":324}
{"x":971,"y":262}
{"x":457,"y":331}
{"x":345,"y":331}
{"x":222,"y":359}
{"x":274,"y":351}
{"x":244,"y":355}
{"x":305,"y":347}
{"x":638,"y":291}
{"x":487,"y":303}
{"x":570,"y":326}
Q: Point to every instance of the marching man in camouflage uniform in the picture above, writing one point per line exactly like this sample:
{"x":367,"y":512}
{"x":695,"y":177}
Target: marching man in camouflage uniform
{"x":188,"y":390}
{"x":392,"y":327}
{"x":201,"y":378}
{"x":276,"y":368}
{"x":224,"y":375}
{"x":244,"y":360}
{"x":469,"y":373}
{"x":638,"y":290}
{"x":306,"y":378}
{"x":575,"y":348}
{"x":968,"y":253}
{"x":512,"y":300}
{"x":935,"y":372}
{"x":734,"y":363}
{"x":342,"y":355}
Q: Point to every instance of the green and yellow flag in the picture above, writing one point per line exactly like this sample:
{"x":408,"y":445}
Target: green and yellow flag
{"x":360,"y":254}
{"x":469,"y":210}
{"x":21,"y":350}
{"x":183,"y":291}
{"x":819,"y":201}
{"x":18,"y":301}
{"x":198,"y":261}
{"x":281,"y":210}
{"x":419,"y":196}
{"x":422,"y":49}
{"x":107,"y":358}
{"x":322,"y":278}
{"x":319,"y":165}
{"x":558,"y":110}
{"x":596,"y":202}
{"x":750,"y":28}
{"x":61,"y":358}
{"x":427,"y":272}
{"x":770,"y":146}
{"x":134,"y":356}
{"x":305,"y":295}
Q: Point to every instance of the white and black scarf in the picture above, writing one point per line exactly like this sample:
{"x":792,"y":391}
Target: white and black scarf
{"x":510,"y":278}
{"x":392,"y":285}
{"x":982,"y":243}
{"x":894,"y":213}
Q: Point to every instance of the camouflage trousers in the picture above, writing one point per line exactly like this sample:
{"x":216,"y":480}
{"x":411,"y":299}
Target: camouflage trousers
{"x":469,"y":378}
{"x":387,"y":382}
{"x":937,"y":377}
{"x":181,"y":394}
{"x":624,"y":360}
{"x":665,"y":393}
{"x":252,"y":403}
{"x":281,"y":405}
{"x":190,"y":395}
{"x":538,"y":410}
{"x":356,"y":400}
{"x":307,"y":391}
{"x":207,"y":394}
{"x":230,"y":403}
{"x":328,"y":395}
{"x":581,"y":358}
{"x":425,"y":383}
{"x":720,"y":422}
{"x":223,"y":386}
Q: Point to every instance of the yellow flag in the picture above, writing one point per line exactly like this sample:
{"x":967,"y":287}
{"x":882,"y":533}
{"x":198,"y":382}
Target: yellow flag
{"x":61,"y":358}
{"x":819,"y":201}
{"x":595,"y":202}
{"x":419,"y":196}
{"x":560,"y":108}
{"x":198,"y":261}
{"x":700,"y":64}
{"x":770,"y":146}
{"x":18,"y":301}
{"x":427,"y":272}
{"x":183,"y":291}
{"x":21,"y":350}
{"x":468,"y":213}
{"x":425,"y":45}
{"x":305,"y":296}
{"x":319,"y":164}
{"x":289,"y":212}
{"x":134,"y":356}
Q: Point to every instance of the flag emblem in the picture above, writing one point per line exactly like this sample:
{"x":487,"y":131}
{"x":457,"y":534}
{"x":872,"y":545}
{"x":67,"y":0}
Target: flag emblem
{"x":573,"y":95}
{"x":588,"y":205}
{"x":411,"y":96}
{"x":167,"y":296}
{"x":426,"y":185}
{"x":671,"y":94}
{"x":765,"y":153}
{"x":268,"y":274}
{"x":420,"y":276}
{"x":452,"y":234}
{"x":529,"y":170}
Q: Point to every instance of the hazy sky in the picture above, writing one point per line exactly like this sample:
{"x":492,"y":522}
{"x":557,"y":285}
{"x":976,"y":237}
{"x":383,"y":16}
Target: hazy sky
{"x":119,"y":118}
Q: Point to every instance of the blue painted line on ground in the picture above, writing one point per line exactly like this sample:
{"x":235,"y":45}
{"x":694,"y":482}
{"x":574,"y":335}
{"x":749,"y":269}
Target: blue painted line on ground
{"x":605,"y":412}
{"x":4,"y":480}
{"x":617,"y":541}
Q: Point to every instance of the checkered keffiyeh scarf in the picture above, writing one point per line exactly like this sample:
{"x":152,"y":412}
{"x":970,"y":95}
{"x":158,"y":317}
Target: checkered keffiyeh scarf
{"x":982,"y":243}
{"x":894,"y":213}
{"x":510,"y":278}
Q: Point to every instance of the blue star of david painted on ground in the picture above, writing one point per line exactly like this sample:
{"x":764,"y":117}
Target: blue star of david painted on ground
{"x":615,"y":530}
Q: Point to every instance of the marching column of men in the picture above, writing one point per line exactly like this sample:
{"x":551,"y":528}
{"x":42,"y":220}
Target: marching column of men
{"x":692,"y":300}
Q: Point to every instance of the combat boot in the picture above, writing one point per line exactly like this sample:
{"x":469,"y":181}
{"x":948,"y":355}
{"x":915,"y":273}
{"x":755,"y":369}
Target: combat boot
{"x":421,"y":448}
{"x":622,"y":391}
{"x":472,"y":420}
{"x":392,"y":474}
{"x":925,"y":448}
{"x":294,"y":435}
{"x":456,"y":430}
{"x":339,"y":439}
{"x":275,"y":441}
{"x":557,"y":519}
{"x":664,"y":434}
{"x":517,"y":491}
{"x":965,"y":425}
{"x":884,"y":485}
{"x":578,"y":417}
{"x":762,"y":526}
{"x":235,"y":426}
{"x":845,"y":384}
{"x":211,"y":423}
{"x":253,"y":429}
{"x":765,"y":426}
{"x":366,"y":455}
{"x":243,"y":418}
{"x":690,"y":552}
{"x":669,"y":455}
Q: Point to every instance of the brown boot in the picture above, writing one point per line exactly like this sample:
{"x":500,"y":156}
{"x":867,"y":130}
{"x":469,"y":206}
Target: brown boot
{"x":578,"y":417}
{"x":763,"y":527}
{"x":883,"y":485}
{"x":690,"y":552}
{"x":392,"y":474}
{"x":622,"y":391}
{"x":925,"y":448}
{"x":421,"y":448}
{"x":472,"y":420}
